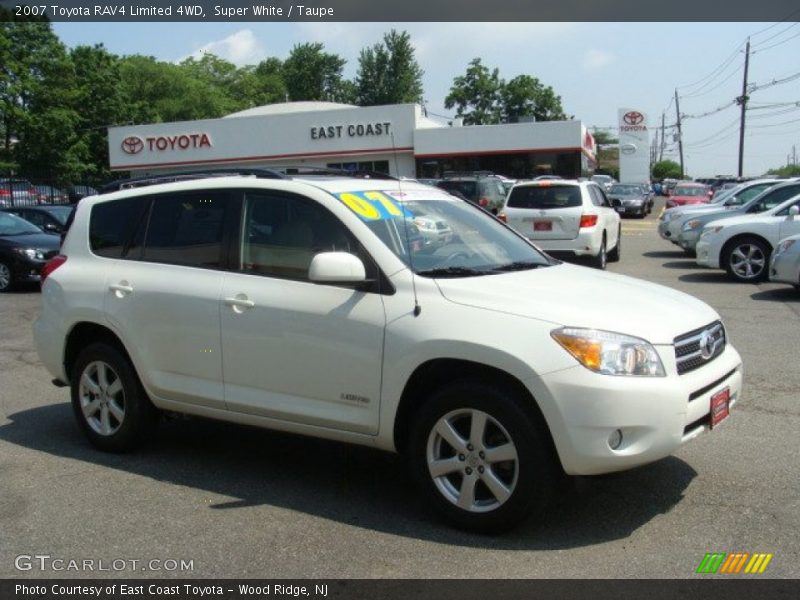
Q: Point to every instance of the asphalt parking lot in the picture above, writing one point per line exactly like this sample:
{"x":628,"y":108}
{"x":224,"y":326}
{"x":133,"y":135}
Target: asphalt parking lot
{"x":240,"y":502}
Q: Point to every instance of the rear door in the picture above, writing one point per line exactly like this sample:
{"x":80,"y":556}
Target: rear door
{"x":545,"y":211}
{"x":790,"y":225}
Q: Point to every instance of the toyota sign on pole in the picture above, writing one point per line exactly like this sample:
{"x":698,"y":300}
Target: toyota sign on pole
{"x":634,"y":146}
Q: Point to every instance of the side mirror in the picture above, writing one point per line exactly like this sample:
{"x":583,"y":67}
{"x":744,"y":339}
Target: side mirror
{"x":337,"y":267}
{"x":794,"y":211}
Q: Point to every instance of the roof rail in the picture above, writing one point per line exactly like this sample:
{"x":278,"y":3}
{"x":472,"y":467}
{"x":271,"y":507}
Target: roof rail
{"x":277,"y":172}
{"x":124,"y":184}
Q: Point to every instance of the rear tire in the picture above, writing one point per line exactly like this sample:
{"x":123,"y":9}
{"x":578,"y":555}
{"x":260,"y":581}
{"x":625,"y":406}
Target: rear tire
{"x":108,"y":400}
{"x":479,"y":457}
{"x":614,"y":255}
{"x":601,"y":259}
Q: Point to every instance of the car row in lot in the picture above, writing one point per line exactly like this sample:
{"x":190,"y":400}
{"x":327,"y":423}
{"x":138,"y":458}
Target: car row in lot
{"x":744,"y":232}
{"x":17,"y":192}
{"x":298,"y":303}
{"x":24,"y":250}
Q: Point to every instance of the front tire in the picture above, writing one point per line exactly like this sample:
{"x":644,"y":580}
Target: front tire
{"x":108,"y":400}
{"x":480,"y":459}
{"x":746,"y":259}
{"x":6,"y":278}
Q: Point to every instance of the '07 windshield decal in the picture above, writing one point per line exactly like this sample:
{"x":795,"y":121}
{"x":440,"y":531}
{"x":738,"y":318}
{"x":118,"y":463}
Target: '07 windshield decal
{"x":373,"y":206}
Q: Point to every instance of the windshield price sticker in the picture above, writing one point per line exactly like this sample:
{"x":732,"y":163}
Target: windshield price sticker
{"x":373,"y":206}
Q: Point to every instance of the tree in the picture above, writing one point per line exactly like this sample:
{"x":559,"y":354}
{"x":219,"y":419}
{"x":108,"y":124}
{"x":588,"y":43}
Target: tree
{"x":526,"y":96}
{"x":36,"y":100}
{"x":222,"y":78}
{"x":666,"y":169}
{"x":311,"y":74}
{"x":265,"y":82}
{"x":476,"y":95}
{"x":602,"y":138}
{"x":388,"y":73}
{"x":786,"y":171}
{"x":96,"y":69}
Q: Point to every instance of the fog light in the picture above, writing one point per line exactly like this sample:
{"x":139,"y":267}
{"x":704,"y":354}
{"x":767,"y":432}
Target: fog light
{"x":615,"y":439}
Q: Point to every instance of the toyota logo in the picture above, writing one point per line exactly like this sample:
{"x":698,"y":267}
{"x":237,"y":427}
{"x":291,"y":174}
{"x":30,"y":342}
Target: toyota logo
{"x":633,"y":118}
{"x":132,"y":144}
{"x":707,"y":345}
{"x":628,"y":149}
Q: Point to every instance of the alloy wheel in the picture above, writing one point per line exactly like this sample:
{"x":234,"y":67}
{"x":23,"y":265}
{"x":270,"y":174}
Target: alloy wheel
{"x":102,"y":398}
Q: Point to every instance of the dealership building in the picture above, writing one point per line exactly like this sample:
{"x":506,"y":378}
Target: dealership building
{"x":396,"y":139}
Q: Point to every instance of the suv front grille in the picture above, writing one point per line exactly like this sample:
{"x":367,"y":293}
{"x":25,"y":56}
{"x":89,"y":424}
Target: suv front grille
{"x":698,"y":347}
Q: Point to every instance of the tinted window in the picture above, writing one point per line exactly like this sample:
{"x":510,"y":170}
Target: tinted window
{"x":282,"y":234}
{"x":551,"y":196}
{"x":186,"y":229}
{"x":111,"y":223}
{"x":774,"y":198}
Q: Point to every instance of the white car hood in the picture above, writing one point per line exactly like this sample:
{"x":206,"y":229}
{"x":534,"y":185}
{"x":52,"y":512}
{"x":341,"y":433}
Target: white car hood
{"x":576,"y":296}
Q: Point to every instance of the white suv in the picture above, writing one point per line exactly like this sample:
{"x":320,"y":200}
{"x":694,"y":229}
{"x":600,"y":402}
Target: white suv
{"x":566,"y":219}
{"x":295,"y":304}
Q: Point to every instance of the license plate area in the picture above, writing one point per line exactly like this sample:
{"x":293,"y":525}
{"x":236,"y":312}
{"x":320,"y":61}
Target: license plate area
{"x":543,"y":226}
{"x":720,"y":407}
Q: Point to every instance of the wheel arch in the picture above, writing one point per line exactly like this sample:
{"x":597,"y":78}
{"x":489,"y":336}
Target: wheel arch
{"x":745,"y":235}
{"x":436,"y":373}
{"x":87,"y":332}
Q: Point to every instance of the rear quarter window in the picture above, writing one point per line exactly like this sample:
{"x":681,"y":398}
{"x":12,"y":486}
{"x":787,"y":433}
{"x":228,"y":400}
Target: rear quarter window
{"x":544,"y":197}
{"x":111,"y":224}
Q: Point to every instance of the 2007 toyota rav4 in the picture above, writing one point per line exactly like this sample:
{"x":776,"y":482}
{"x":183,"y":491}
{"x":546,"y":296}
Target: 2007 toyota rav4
{"x":312,"y":305}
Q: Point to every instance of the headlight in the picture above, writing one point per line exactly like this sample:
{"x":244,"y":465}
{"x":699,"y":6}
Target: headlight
{"x":711,"y":230}
{"x":784,"y":246}
{"x":693,"y":224}
{"x":32,"y":253}
{"x":610,"y":353}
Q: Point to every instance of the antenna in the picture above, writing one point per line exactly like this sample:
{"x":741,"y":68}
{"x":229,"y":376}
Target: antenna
{"x":417,"y":307}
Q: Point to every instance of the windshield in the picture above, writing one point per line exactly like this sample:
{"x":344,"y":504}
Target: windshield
{"x":625,"y":190}
{"x":61,"y":213}
{"x":438,"y":235}
{"x":13,"y":225}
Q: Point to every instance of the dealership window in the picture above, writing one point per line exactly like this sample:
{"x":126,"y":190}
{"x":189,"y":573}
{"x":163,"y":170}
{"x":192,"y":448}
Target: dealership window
{"x":518,"y":165}
{"x":379,"y":166}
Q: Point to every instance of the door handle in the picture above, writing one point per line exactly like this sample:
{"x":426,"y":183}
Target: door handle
{"x":121,"y":289}
{"x":239,"y":302}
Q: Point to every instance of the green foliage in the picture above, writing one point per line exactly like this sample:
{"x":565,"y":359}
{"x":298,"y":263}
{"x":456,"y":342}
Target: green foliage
{"x":666,"y":169}
{"x":786,"y":171}
{"x":602,"y":137}
{"x":388,"y":73}
{"x":311,"y":74}
{"x":526,"y":96}
{"x":481,"y":97}
{"x":476,"y":95}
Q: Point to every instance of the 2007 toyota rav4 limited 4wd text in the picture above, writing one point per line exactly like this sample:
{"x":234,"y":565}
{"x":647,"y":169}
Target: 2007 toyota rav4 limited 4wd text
{"x":313,"y":305}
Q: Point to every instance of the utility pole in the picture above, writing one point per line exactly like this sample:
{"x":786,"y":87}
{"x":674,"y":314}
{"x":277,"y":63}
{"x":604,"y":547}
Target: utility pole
{"x":663,"y":133}
{"x":680,"y":134}
{"x":794,"y":154}
{"x":742,"y":101}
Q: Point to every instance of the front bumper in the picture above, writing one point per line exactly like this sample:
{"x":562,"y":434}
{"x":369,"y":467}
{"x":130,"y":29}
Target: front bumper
{"x":785,"y":268}
{"x":706,"y":257}
{"x":25,"y":270}
{"x":656,"y":415}
{"x":688,"y":239}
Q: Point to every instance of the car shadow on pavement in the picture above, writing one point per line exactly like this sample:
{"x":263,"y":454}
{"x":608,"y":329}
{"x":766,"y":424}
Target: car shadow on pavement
{"x":787,"y":294}
{"x":681,"y":264}
{"x":353,"y":485}
{"x":666,"y":254}
{"x":709,"y":276}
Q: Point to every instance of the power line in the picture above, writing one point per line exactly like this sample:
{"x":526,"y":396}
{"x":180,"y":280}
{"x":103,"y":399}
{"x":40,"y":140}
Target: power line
{"x":777,"y":43}
{"x":755,"y":87}
{"x":772,"y":37}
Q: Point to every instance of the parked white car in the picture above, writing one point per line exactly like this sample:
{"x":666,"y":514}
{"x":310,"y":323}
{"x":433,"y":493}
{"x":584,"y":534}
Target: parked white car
{"x":566,"y":218}
{"x":296,"y":304}
{"x":785,"y":264}
{"x":743,"y":245}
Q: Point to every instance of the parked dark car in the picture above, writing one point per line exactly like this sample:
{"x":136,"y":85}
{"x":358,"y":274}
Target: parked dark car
{"x":629,"y":199}
{"x":50,"y":219}
{"x":76,"y":192}
{"x":24,"y":249}
{"x":485,"y":190}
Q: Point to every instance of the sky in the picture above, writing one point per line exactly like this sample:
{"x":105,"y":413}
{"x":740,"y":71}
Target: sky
{"x":596,"y":68}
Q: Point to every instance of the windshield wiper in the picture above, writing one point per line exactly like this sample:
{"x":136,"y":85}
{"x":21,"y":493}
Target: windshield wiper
{"x":519,"y":265}
{"x":453,"y":272}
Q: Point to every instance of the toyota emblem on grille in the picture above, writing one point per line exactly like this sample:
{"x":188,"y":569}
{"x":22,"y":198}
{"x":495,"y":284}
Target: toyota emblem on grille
{"x":132,"y":144}
{"x":708,"y":345}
